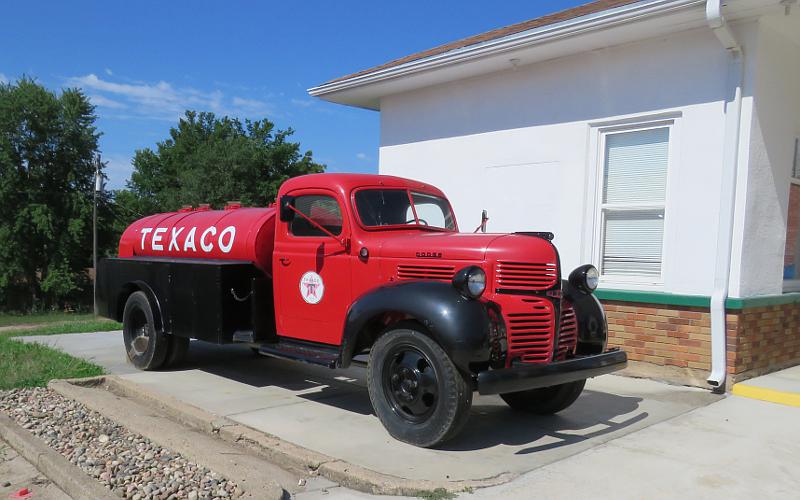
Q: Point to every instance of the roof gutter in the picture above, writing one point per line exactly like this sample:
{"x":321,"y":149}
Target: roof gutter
{"x":543,"y":34}
{"x":733,"y":120}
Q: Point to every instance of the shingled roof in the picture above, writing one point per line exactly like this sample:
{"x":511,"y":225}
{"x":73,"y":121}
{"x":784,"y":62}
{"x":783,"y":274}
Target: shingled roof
{"x":564,"y":15}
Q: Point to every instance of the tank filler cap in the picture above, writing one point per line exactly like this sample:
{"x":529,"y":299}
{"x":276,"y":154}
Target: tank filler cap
{"x":203,"y":207}
{"x":233,"y":205}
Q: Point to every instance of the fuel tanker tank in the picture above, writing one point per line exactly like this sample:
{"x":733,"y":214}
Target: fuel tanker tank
{"x":241,"y":234}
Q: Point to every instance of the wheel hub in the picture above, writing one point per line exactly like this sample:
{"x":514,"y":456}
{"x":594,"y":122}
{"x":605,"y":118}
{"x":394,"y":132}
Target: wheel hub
{"x":411,"y":383}
{"x":139,"y":334}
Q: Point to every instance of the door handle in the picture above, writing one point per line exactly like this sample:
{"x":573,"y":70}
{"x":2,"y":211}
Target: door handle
{"x":285,"y":261}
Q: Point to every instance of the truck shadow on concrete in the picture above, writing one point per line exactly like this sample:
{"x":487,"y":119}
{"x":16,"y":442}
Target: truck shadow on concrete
{"x":491,"y":422}
{"x":593,"y":415}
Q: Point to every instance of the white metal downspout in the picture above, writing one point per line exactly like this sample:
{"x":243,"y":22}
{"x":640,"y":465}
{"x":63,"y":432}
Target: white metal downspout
{"x":733,"y":114}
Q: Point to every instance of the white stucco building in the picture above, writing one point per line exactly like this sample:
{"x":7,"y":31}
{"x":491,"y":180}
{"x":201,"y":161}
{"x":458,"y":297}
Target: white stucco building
{"x":658,"y":140}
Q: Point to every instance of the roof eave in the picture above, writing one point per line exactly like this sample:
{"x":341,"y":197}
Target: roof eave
{"x":345,"y":91}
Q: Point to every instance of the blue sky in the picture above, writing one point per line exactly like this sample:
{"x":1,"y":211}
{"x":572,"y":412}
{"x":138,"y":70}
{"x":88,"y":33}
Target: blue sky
{"x":143,"y":63}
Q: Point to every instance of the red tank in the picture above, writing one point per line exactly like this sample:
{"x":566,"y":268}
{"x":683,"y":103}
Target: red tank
{"x":231,"y":234}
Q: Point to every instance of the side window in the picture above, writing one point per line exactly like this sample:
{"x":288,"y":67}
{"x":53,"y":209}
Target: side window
{"x":321,"y":209}
{"x":633,"y":202}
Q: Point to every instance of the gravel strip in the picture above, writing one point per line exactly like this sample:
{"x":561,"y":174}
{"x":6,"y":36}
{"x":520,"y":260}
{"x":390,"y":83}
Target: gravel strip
{"x":130,"y":465}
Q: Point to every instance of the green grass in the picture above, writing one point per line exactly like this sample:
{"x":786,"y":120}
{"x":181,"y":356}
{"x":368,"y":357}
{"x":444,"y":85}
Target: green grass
{"x":437,"y":494}
{"x":33,"y":365}
{"x":92,"y":325}
{"x":50,"y":317}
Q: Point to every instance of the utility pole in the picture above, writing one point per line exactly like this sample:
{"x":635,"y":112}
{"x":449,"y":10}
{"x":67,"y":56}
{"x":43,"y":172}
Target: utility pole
{"x":98,"y":186}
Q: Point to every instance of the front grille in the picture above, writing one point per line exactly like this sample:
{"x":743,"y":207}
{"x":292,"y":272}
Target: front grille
{"x":567,"y":332}
{"x":415,"y":272}
{"x":524,"y":276}
{"x":530,"y":324}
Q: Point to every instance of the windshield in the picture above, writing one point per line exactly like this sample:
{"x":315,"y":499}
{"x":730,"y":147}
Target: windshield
{"x":393,"y":207}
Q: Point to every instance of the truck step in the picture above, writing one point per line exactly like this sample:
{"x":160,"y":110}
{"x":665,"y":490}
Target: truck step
{"x":244,"y":336}
{"x":306,"y":352}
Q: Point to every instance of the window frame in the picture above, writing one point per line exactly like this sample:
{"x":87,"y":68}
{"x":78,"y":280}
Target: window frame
{"x":409,"y":191}
{"x":318,"y":192}
{"x":598,"y":208}
{"x":793,"y":284}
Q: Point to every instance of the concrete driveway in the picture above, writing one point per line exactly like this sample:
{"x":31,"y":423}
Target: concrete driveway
{"x":329,"y":411}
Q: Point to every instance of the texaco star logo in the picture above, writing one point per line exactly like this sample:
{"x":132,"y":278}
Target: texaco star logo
{"x":311,"y":287}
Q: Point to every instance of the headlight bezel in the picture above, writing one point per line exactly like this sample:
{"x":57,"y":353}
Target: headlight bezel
{"x":581,"y":277}
{"x":470,"y":282}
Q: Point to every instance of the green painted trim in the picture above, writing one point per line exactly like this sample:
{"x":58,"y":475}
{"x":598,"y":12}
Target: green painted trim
{"x":672,"y":299}
{"x":764,"y":300}
{"x":669,"y":299}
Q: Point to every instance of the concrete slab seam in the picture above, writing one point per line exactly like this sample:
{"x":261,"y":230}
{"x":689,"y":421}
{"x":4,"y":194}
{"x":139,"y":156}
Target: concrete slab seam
{"x":769,"y":395}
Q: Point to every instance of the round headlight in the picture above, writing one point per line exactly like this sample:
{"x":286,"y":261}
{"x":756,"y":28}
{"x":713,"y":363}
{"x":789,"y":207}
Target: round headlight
{"x":470,"y":281}
{"x":592,"y":278}
{"x":585,"y":278}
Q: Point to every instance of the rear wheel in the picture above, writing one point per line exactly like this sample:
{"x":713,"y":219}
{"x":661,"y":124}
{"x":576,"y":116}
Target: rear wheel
{"x":416,"y":391}
{"x":545,"y":401}
{"x":146,"y":347}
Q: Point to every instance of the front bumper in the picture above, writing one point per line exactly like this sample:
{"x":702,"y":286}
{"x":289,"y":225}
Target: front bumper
{"x":526,"y":377}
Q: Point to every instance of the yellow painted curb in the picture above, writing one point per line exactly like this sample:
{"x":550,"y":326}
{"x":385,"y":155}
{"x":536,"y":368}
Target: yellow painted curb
{"x":763,"y":394}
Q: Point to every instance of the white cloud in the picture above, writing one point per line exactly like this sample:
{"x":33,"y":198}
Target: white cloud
{"x":361,"y":156}
{"x":164,"y":101}
{"x":118,"y":169}
{"x":303,"y":103}
{"x":105,"y":102}
{"x":250,"y":107}
{"x":109,"y":72}
{"x":3,"y":78}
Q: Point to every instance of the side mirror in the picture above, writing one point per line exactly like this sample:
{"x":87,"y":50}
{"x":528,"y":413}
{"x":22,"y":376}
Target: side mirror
{"x":484,"y":220}
{"x":286,"y":213}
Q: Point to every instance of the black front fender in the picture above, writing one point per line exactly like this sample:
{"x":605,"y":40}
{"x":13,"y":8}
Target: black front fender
{"x":459,"y":325}
{"x":592,"y":324}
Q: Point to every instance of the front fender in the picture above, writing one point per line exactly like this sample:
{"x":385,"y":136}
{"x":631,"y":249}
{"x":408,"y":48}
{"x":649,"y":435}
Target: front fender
{"x":591,"y":317}
{"x":459,"y":325}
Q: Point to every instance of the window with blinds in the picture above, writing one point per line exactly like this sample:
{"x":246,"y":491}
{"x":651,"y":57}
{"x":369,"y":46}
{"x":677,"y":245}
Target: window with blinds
{"x":634,"y":187}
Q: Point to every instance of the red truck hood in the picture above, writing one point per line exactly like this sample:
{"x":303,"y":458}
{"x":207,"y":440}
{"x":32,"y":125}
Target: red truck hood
{"x":467,"y":247}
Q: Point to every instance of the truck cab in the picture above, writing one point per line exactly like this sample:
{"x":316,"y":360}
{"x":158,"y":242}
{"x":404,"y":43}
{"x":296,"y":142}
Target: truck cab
{"x":349,"y":265}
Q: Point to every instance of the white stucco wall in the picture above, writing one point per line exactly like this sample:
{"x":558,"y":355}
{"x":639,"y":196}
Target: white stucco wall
{"x":521,"y":144}
{"x":774,"y":124}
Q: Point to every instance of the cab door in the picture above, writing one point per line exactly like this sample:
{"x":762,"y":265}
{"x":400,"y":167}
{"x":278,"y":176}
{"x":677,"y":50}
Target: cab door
{"x":311,"y":269}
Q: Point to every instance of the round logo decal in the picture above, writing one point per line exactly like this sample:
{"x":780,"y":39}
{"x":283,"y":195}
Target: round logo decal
{"x":311,"y":287}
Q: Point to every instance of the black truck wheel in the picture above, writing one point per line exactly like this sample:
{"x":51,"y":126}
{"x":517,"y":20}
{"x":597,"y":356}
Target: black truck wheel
{"x":545,"y":401}
{"x":416,"y":391}
{"x":146,"y":347}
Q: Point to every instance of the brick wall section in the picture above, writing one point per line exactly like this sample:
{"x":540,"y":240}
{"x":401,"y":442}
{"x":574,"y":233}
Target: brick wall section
{"x":759,"y":339}
{"x":767,"y":339}
{"x":661,"y":334}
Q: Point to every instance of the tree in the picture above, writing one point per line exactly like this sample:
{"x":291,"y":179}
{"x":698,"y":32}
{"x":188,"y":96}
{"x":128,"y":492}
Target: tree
{"x":47,"y":146}
{"x":214,"y":160}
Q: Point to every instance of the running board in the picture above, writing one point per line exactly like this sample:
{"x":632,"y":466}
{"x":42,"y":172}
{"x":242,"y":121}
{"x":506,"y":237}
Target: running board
{"x":302,"y":351}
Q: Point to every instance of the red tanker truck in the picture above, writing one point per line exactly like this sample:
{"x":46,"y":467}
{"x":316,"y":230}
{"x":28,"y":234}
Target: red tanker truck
{"x":346,"y":265}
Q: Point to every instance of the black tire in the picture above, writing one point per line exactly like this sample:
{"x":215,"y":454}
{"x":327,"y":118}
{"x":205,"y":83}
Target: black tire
{"x":146,"y":347}
{"x":176,"y":351}
{"x":545,"y":401}
{"x":416,"y":391}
